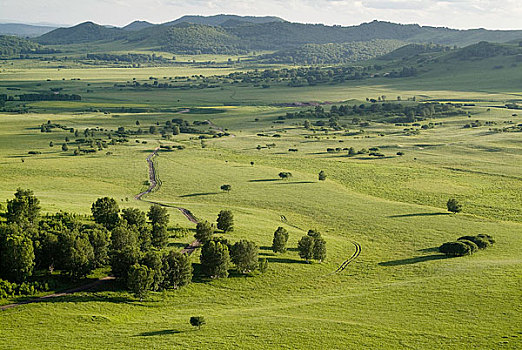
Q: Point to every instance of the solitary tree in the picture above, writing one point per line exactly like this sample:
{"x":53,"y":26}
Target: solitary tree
{"x":279,"y":241}
{"x":454,"y":206}
{"x":203,"y":232}
{"x":215,"y":259}
{"x":140,"y":280}
{"x":285,"y":175}
{"x":244,"y":255}
{"x":105,"y":211}
{"x":225,"y":220}
{"x":65,"y":148}
{"x":197,"y":321}
{"x":226,"y":188}
{"x":322,"y":175}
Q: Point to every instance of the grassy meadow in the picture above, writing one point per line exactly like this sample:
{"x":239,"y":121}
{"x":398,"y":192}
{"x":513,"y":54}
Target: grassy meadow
{"x":399,"y":293}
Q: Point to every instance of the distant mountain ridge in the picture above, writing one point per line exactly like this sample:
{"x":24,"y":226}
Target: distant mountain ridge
{"x":24,"y":30}
{"x":229,"y":34}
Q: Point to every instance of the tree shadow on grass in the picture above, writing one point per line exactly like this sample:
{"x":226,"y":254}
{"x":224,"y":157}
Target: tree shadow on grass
{"x":285,"y":260}
{"x":296,"y":182}
{"x":429,"y":250}
{"x":417,"y":214}
{"x":198,"y":194}
{"x":264,"y":180}
{"x":413,"y":260}
{"x":154,"y":333}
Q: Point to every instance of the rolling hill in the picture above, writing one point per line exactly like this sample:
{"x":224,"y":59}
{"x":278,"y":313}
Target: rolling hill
{"x":234,"y":34}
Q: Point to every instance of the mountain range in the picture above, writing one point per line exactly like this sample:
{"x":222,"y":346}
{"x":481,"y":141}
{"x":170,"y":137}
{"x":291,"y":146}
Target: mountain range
{"x":230,"y":34}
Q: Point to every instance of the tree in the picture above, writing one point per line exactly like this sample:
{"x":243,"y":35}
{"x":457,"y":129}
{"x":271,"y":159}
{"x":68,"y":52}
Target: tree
{"x":305,"y":246}
{"x":99,"y":239}
{"x":307,"y":124}
{"x":319,"y":249}
{"x":285,"y":175}
{"x":140,"y":280}
{"x":51,"y":144}
{"x":279,"y":241}
{"x":158,"y":215}
{"x":122,"y":260}
{"x":204,"y":232}
{"x":197,"y":321}
{"x":175,"y":130}
{"x":77,"y":254}
{"x":215,"y":259}
{"x":153,"y":259}
{"x":105,"y":211}
{"x":252,"y":163}
{"x":65,"y":148}
{"x":17,"y":259}
{"x":244,"y":254}
{"x":177,"y":269}
{"x":134,"y":216}
{"x":25,"y":207}
{"x":225,"y":221}
{"x":160,"y":236}
{"x":351,"y":152}
{"x":226,"y":188}
{"x":322,"y":175}
{"x":453,"y":206}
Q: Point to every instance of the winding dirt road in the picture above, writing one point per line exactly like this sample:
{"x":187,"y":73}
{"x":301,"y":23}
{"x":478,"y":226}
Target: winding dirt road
{"x":153,"y":181}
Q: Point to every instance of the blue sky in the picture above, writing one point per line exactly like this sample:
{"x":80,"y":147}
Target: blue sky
{"x":491,"y":14}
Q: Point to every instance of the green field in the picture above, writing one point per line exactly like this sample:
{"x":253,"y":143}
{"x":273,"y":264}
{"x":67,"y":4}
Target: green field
{"x":399,"y":293}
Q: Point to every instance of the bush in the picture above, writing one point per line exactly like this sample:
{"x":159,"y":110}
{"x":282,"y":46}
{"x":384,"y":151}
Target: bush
{"x":481,"y":241}
{"x":457,"y":248}
{"x":472,"y":246}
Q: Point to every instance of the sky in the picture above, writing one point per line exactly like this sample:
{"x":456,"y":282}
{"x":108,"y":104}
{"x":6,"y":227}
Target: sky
{"x":460,"y":14}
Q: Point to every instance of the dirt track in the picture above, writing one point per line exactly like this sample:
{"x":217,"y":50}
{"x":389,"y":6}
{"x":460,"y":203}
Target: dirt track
{"x":153,"y":181}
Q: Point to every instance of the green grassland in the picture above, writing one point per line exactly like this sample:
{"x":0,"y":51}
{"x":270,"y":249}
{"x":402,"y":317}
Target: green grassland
{"x":399,"y":293}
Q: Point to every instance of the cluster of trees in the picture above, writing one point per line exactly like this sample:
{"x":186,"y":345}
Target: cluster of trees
{"x":129,"y":57}
{"x":467,"y":245}
{"x":312,"y":246}
{"x":217,"y":253}
{"x":394,"y":112}
{"x":133,"y":247}
{"x":49,"y":97}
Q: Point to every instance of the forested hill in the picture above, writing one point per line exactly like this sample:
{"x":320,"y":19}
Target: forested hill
{"x":233,"y":34}
{"x":14,"y":46}
{"x":334,"y":53}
